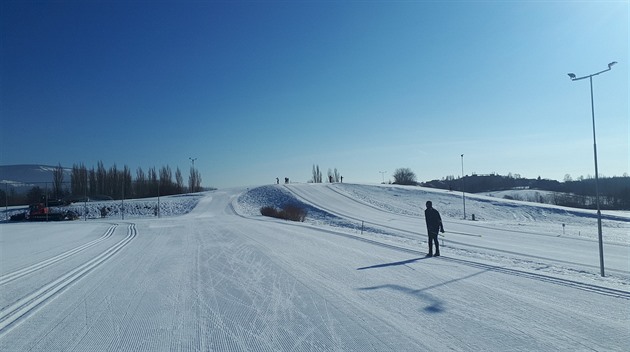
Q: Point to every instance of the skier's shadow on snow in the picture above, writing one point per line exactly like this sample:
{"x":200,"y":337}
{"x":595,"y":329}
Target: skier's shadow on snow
{"x":435,"y":305}
{"x":409,"y":261}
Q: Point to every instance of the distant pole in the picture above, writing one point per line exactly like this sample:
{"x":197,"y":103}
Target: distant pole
{"x":85,"y":199}
{"x":122,"y":201}
{"x":599,"y":213}
{"x":46,"y":205}
{"x":6,"y":201}
{"x":383,"y":175}
{"x":463,"y":187}
{"x":192,"y":185}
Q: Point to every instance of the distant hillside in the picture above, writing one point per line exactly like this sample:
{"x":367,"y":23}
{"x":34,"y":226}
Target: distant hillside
{"x":614,"y":191}
{"x":24,"y":177}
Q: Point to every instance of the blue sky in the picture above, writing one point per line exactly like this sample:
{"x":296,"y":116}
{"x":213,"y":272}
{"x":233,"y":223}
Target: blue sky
{"x":262,"y":89}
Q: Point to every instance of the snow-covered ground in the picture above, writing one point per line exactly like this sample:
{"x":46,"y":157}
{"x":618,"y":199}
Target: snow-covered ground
{"x":211,"y":274}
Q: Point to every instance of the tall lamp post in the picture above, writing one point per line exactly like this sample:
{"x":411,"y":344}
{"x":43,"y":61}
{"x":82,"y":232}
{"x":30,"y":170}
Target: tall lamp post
{"x":463,"y":188}
{"x":192,"y":171}
{"x":383,"y":175}
{"x":599,"y":213}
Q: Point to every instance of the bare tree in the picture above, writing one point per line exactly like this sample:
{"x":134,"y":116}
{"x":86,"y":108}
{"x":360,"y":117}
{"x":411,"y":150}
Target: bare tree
{"x":58,"y":181}
{"x":112,"y":185}
{"x":179,"y":180}
{"x":126,"y":181}
{"x":101,"y":176}
{"x":336,"y":176}
{"x":317,"y":174}
{"x":194,"y":180}
{"x":92,"y":182}
{"x":141,"y":184}
{"x":166,"y":181}
{"x":154,"y":185}
{"x":404,"y":176}
{"x":78,"y":179}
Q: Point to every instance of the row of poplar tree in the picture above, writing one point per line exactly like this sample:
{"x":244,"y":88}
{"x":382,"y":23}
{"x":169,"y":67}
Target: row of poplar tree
{"x":119,"y":183}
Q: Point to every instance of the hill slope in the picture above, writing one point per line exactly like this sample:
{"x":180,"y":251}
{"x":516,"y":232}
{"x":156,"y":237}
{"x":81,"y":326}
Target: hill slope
{"x":222,"y":277}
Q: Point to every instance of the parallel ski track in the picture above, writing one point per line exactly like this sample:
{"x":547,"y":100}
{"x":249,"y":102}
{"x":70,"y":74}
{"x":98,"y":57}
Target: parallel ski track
{"x":17,"y":312}
{"x":50,"y":261}
{"x":472,"y":224}
{"x":489,"y":267}
{"x":403,"y":231}
{"x":515,"y":272}
{"x":303,"y":198}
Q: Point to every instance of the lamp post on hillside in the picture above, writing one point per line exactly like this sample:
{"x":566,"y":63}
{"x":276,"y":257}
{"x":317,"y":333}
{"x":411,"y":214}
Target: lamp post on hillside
{"x":193,"y":177}
{"x":463,"y":187}
{"x":599,"y":213}
{"x":6,"y":200}
{"x":383,"y":175}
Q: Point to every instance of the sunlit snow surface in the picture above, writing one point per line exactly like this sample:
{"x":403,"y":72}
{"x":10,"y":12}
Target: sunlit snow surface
{"x":212,"y":274}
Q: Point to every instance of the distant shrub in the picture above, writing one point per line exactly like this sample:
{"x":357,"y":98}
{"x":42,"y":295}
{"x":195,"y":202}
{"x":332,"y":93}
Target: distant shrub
{"x":404,"y":176}
{"x":288,"y":212}
{"x":269,"y":211}
{"x":293,"y":213}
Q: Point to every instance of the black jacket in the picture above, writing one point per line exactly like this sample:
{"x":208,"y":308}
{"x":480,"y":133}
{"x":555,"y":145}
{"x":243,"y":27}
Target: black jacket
{"x":434,"y":221}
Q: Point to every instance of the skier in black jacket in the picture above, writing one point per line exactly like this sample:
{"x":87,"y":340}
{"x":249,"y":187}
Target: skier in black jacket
{"x":434,"y":224}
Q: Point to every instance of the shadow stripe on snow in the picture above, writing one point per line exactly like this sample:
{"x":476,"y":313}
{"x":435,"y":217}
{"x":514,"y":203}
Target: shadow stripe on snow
{"x":489,"y":267}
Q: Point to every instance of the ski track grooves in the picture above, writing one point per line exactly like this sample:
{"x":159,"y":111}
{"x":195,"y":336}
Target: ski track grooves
{"x":17,"y":312}
{"x":344,"y":216}
{"x":32,"y":268}
{"x":305,"y":199}
{"x":513,"y":272}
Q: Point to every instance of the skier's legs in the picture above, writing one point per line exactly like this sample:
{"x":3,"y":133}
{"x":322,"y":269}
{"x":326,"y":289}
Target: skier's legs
{"x":433,"y":238}
{"x":437,"y":245}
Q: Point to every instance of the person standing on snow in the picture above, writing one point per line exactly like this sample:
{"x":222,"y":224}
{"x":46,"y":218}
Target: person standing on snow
{"x":434,"y":224}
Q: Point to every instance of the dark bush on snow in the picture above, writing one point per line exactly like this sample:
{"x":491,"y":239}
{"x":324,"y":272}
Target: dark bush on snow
{"x":288,"y":212}
{"x":269,"y":211}
{"x":293,"y":213}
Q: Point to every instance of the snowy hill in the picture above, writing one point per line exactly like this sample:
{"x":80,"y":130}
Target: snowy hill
{"x":23,"y":177}
{"x":352,"y":277}
{"x":528,"y":195}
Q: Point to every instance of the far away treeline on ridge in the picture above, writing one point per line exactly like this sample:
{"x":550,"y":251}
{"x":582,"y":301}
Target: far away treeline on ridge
{"x":580,"y":193}
{"x":112,"y":183}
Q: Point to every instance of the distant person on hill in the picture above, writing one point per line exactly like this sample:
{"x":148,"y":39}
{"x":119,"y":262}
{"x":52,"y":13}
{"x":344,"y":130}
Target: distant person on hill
{"x":277,"y":181}
{"x":434,"y":224}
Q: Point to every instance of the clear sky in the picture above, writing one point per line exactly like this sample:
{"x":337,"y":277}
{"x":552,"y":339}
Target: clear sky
{"x":262,"y":89}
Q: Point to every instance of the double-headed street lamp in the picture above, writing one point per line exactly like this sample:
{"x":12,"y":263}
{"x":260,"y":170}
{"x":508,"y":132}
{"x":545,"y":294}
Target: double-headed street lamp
{"x":599,"y":213}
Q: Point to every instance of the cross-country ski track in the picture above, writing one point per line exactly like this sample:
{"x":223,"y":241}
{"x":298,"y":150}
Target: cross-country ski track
{"x":224,"y":278}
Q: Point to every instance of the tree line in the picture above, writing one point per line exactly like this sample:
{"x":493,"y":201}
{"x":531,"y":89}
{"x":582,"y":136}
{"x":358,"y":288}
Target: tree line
{"x":119,"y":183}
{"x":108,"y":183}
{"x":614,"y":191}
{"x":333,"y":176}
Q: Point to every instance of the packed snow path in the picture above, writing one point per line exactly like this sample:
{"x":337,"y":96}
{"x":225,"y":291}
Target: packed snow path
{"x":223,"y":278}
